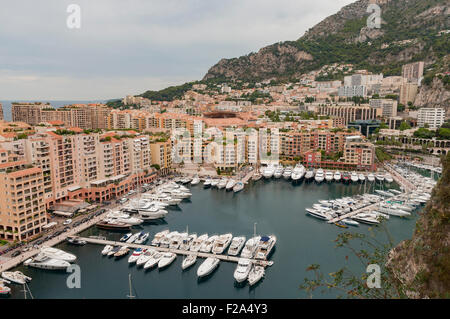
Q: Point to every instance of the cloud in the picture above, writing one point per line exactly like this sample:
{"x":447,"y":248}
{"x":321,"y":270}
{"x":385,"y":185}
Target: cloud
{"x":158,"y":42}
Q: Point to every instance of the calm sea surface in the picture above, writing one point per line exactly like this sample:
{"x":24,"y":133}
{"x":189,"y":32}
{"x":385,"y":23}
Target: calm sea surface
{"x":277,"y":206}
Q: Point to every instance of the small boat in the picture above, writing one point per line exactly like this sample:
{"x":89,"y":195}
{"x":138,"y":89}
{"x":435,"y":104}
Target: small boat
{"x":230,"y":184}
{"x":238,"y":187}
{"x":207,"y":267}
{"x":214,"y":182}
{"x":188,"y":241}
{"x":188,"y":261}
{"x":153,"y":260}
{"x":122,"y":252}
{"x":144,"y":257}
{"x":197,"y":243}
{"x":350,"y":222}
{"x":255,"y":274}
{"x":366,"y":220}
{"x":337,"y":176}
{"x":4,"y":290}
{"x":133,"y":238}
{"x":317,"y":214}
{"x":107,"y":249}
{"x":242,"y":270}
{"x":157,"y":239}
{"x":341,"y":224}
{"x":222,"y":183}
{"x":236,"y":245}
{"x":166,"y":260}
{"x":195,"y":180}
{"x":76,"y":241}
{"x":142,"y":238}
{"x":16,"y":277}
{"x":207,"y":183}
{"x":113,"y":251}
{"x":125,"y":237}
{"x":256,"y":176}
{"x":135,"y":256}
{"x":59,"y":254}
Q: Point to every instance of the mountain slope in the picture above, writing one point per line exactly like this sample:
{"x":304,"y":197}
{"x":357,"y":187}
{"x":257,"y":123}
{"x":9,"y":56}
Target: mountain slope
{"x":409,"y":32}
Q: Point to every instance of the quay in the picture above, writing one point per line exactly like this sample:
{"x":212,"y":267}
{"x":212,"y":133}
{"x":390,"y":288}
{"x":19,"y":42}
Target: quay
{"x":235,"y":259}
{"x":399,"y":179}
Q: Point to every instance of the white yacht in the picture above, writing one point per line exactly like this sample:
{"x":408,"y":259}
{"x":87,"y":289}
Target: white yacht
{"x":176,"y":240}
{"x":221,"y":243}
{"x":250,"y":246}
{"x":309,"y":175}
{"x":187,"y":241}
{"x":144,"y":257}
{"x":195,"y":180}
{"x":59,"y":254}
{"x":319,"y":176}
{"x":329,"y":176}
{"x":354,"y":177}
{"x":197,"y":243}
{"x":268,"y":171}
{"x":238,"y":187}
{"x":255,"y":275}
{"x":265,"y":246}
{"x":370,"y":177}
{"x":223,"y":183}
{"x":149,"y":215}
{"x":142,"y":238}
{"x":230,"y":184}
{"x":214,"y":182}
{"x":361,"y":177}
{"x":207,"y":183}
{"x":153,"y":260}
{"x":388,"y":178}
{"x":207,"y":267}
{"x":188,"y":261}
{"x":242,"y":270}
{"x":166,"y":260}
{"x":158,"y":236}
{"x":107,"y":249}
{"x":133,"y":238}
{"x":380,"y":177}
{"x":4,"y":290}
{"x":278,"y":172}
{"x":337,"y":176}
{"x":298,"y":172}
{"x":42,"y":261}
{"x":16,"y":277}
{"x":129,"y":220}
{"x":318,"y":214}
{"x":287,"y":172}
{"x":135,"y":256}
{"x":208,"y":244}
{"x":162,"y":198}
{"x":350,"y":222}
{"x":236,"y":245}
{"x":166,"y":240}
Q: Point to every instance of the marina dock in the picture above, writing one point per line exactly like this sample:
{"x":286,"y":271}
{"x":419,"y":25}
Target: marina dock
{"x":235,"y":259}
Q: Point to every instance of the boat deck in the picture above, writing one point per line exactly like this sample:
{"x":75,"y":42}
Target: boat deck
{"x":235,"y":259}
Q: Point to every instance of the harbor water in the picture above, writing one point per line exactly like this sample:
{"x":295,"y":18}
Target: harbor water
{"x":277,"y":206}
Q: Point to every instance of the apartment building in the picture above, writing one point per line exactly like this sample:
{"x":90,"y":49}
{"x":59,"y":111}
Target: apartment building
{"x":22,"y":206}
{"x":359,"y":153}
{"x":29,"y":113}
{"x":352,"y":91}
{"x":413,"y":72}
{"x":432,"y":117}
{"x":350,"y":113}
{"x":408,"y":93}
{"x":161,"y":155}
{"x":388,"y":107}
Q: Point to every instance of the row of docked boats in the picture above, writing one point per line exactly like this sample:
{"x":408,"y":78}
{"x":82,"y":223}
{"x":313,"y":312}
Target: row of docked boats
{"x":299,"y":172}
{"x":229,"y":184}
{"x":51,"y":258}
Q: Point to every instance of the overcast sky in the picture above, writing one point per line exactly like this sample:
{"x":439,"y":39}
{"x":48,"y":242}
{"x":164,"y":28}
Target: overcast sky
{"x":128,"y":46}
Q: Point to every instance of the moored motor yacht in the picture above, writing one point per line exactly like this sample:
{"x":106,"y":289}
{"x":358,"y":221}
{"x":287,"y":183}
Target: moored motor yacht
{"x":361,"y":177}
{"x":144,"y":257}
{"x":346,"y":177}
{"x":207,"y":267}
{"x":370,"y":177}
{"x":208,"y":244}
{"x":354,"y":177}
{"x":255,"y":274}
{"x":379,"y":177}
{"x":4,"y":290}
{"x":59,"y":254}
{"x":158,"y":236}
{"x":236,"y":245}
{"x":230,"y":185}
{"x":388,"y":178}
{"x":195,"y":180}
{"x":135,"y":256}
{"x":221,"y":243}
{"x":265,"y":246}
{"x":187,"y":241}
{"x":222,"y":183}
{"x":287,"y":172}
{"x":319,"y":176}
{"x":42,"y":261}
{"x":278,"y":172}
{"x":298,"y":172}
{"x":238,"y":187}
{"x":188,"y":261}
{"x":207,"y":183}
{"x":107,"y":249}
{"x":329,"y":176}
{"x":250,"y":246}
{"x":309,"y":175}
{"x":16,"y":277}
{"x":337,"y":176}
{"x":214,"y":182}
{"x":268,"y":171}
{"x":153,"y":260}
{"x":242,"y":270}
{"x":166,"y":260}
{"x":197,"y":243}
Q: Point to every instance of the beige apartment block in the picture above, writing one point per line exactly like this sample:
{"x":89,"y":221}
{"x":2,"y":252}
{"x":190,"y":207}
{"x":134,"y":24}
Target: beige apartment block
{"x":22,"y":204}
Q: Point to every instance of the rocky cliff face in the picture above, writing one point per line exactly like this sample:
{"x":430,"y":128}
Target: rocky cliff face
{"x":408,"y":33}
{"x":422,"y":264}
{"x":434,"y":95}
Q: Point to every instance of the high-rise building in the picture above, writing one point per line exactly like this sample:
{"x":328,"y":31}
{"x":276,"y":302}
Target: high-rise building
{"x":350,"y":113}
{"x":413,"y":72}
{"x":389,"y":107}
{"x":29,"y":113}
{"x":408,"y":93}
{"x":351,"y":91}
